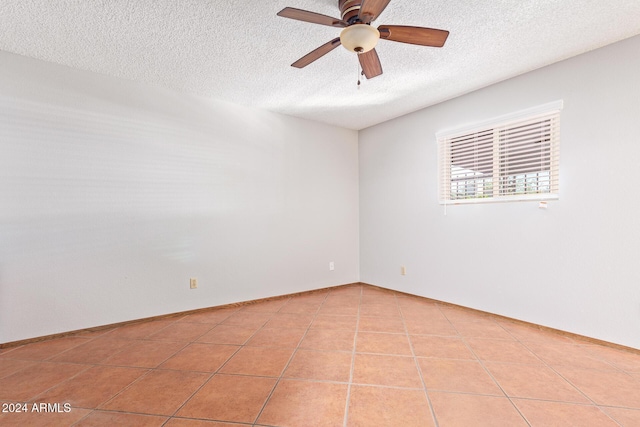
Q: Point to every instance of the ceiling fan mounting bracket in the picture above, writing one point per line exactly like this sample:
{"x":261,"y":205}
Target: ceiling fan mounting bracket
{"x":349,"y":11}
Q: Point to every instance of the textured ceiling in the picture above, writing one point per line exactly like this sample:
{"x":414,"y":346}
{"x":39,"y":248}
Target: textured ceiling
{"x":240,"y":51}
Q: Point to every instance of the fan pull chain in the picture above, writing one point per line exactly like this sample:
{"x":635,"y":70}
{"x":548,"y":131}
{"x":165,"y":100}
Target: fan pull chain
{"x":358,"y":72}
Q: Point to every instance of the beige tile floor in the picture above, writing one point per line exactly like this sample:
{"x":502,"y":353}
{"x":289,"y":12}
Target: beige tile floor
{"x":349,"y":356}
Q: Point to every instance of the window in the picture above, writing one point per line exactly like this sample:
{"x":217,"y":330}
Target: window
{"x":511,"y":158}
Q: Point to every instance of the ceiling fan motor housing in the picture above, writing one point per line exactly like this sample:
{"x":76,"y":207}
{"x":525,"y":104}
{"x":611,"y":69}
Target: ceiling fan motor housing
{"x":357,"y":37}
{"x":349,"y":10}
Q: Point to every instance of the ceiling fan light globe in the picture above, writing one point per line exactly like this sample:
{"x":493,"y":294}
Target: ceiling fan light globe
{"x":359,"y":38}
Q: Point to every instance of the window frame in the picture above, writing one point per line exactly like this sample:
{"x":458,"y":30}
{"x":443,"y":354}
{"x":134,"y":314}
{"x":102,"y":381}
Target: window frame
{"x":445,"y":138}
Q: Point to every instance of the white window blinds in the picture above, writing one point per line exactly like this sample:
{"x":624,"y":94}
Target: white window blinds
{"x":513,"y":159}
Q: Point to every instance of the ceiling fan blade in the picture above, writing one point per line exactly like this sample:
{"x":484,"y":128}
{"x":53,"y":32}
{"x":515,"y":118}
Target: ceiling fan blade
{"x":314,"y":18}
{"x":317,"y":54}
{"x":371,"y":9}
{"x":370,"y":64}
{"x":413,"y":35}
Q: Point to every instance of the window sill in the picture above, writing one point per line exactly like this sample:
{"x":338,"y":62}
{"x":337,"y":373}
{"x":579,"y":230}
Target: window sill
{"x":521,"y":198}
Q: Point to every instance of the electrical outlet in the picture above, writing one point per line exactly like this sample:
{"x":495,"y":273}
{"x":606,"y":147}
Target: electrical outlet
{"x":332,"y":266}
{"x":403,"y":270}
{"x":193,"y":283}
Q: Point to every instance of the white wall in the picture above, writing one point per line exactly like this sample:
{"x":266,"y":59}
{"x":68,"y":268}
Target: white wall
{"x":113,"y":194}
{"x":574,"y":266}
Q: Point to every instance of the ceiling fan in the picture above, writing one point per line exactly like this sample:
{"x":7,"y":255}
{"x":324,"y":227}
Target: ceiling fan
{"x":359,"y":36}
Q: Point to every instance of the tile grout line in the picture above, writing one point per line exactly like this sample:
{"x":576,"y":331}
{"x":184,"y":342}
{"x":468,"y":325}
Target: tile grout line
{"x":94,"y":365}
{"x":33,"y":399}
{"x":186,"y":344}
{"x":93,"y":410}
{"x":353,"y":361}
{"x":481,"y":362}
{"x":217,"y":371}
{"x":415,"y":360}
{"x":150,"y":370}
{"x":145,"y":338}
{"x":593,"y":403}
{"x":522,"y":343}
{"x":266,"y":402}
{"x":588,"y":349}
{"x":128,"y":386}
